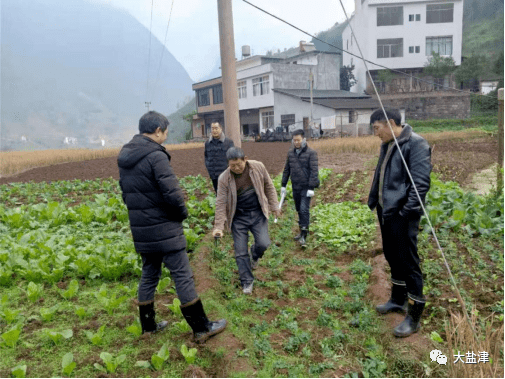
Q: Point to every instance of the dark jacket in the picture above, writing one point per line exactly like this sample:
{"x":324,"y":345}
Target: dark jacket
{"x":398,"y":193}
{"x":302,"y":168}
{"x":152,"y":195}
{"x":215,"y":155}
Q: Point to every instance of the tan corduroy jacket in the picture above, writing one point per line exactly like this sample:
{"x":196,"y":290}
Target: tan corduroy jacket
{"x":226,"y":201}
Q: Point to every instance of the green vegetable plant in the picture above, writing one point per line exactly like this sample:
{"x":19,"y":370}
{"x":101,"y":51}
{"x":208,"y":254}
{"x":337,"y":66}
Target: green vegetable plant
{"x":67,"y":364}
{"x":11,"y":337}
{"x":19,"y":371}
{"x":47,"y":314}
{"x":81,"y":312}
{"x":9,"y":315}
{"x":34,"y":291}
{"x":111,"y":363}
{"x":159,"y":359}
{"x":109,"y":303}
{"x":95,"y":338}
{"x":175,"y":307}
{"x":71,"y":291}
{"x":189,"y":354}
{"x":182,"y":326}
{"x":135,"y":329}
{"x":57,"y":337}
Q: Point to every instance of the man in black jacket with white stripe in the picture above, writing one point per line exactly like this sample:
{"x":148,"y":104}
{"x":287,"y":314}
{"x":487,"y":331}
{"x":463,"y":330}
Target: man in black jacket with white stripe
{"x":399,"y":212}
{"x":156,"y":210}
{"x":302,"y":167}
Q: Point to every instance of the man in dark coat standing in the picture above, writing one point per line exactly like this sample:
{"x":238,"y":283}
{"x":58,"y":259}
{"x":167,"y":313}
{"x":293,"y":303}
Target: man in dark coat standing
{"x":399,"y":212}
{"x":215,"y":153}
{"x":302,"y":167}
{"x":156,"y":210}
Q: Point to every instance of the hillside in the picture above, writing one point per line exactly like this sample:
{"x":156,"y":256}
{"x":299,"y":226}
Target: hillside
{"x":178,"y":126}
{"x":79,"y":69}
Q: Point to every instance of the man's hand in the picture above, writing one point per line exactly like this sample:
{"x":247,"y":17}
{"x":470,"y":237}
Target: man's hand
{"x":310,"y":193}
{"x":217,"y":233}
{"x":278,"y":213}
{"x":283,"y":191}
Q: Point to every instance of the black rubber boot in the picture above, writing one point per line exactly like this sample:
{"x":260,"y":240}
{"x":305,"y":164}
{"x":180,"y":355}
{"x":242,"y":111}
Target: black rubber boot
{"x":203,"y":329}
{"x":148,"y":317}
{"x":398,"y":300}
{"x":303,"y":239}
{"x":411,"y":324}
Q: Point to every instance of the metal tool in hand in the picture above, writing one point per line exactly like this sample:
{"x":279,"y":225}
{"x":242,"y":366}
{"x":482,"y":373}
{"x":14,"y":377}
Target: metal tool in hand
{"x":280,"y":205}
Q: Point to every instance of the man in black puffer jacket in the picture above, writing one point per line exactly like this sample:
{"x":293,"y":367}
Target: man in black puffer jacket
{"x":215,"y":153}
{"x":156,"y":210}
{"x":399,"y":212}
{"x":302,"y":167}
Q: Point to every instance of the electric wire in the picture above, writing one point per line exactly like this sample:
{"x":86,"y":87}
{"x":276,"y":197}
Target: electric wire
{"x":149,"y":54}
{"x":362,"y":58}
{"x":162,"y":51}
{"x":458,"y":294}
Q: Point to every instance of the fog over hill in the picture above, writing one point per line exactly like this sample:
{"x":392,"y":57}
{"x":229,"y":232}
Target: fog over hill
{"x":78,"y":69}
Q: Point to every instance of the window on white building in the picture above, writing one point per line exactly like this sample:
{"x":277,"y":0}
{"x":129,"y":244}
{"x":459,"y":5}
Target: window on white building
{"x":261,"y":85}
{"x":418,"y":49}
{"x":267,"y":120}
{"x":441,"y":45}
{"x":242,"y":89}
{"x":389,"y":16}
{"x":353,"y":115}
{"x":437,"y":13}
{"x":390,"y":48}
{"x":418,"y":17}
{"x":411,"y":49}
{"x":411,"y":17}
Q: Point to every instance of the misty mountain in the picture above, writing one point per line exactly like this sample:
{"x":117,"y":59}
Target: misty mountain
{"x":79,"y":69}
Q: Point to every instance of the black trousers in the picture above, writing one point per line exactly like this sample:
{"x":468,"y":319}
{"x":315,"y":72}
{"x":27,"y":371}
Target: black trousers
{"x":214,"y":183}
{"x":180,"y":272}
{"x":302,"y":205}
{"x":399,"y":243}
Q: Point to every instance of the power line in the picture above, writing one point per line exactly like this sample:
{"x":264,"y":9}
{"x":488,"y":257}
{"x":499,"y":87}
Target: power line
{"x":458,"y":294}
{"x":163,"y":50}
{"x":149,"y":54}
{"x":357,"y":56}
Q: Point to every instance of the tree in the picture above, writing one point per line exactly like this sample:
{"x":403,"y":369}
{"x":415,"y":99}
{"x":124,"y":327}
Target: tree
{"x":498,"y":65}
{"x":470,"y":71}
{"x":439,"y":66}
{"x":347,"y":79}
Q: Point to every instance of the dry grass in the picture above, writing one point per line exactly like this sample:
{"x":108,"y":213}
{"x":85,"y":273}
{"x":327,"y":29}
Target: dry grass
{"x":15,"y":162}
{"x":461,"y":340}
{"x":371,"y":144}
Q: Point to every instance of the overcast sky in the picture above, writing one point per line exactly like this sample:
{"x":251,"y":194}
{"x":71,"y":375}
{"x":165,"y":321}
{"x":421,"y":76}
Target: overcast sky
{"x":193,"y":35}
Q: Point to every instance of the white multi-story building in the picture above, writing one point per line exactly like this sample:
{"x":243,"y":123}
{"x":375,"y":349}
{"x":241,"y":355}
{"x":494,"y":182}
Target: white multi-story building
{"x":402,"y":34}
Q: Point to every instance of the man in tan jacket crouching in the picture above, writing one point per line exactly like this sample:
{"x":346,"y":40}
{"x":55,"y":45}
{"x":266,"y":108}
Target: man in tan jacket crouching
{"x":245,"y":198}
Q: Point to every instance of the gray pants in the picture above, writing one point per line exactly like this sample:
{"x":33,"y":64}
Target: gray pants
{"x":180,"y":271}
{"x":257,"y":223}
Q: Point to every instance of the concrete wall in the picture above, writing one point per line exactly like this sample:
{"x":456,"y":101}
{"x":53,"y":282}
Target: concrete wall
{"x":434,"y":105}
{"x":256,"y":101}
{"x":414,"y":33}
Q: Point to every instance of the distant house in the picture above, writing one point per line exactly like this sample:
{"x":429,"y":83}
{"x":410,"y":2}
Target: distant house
{"x":402,"y":35}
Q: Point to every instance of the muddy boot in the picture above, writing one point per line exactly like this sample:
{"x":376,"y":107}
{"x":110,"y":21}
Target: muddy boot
{"x":411,"y":324}
{"x":398,"y":300}
{"x":203,"y":329}
{"x":147,"y":319}
{"x":304,"y":231}
{"x":298,"y":236}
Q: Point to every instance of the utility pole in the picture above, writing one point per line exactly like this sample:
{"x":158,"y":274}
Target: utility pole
{"x":147,"y":103}
{"x":230,"y":92}
{"x":499,"y":182}
{"x":311,"y":81}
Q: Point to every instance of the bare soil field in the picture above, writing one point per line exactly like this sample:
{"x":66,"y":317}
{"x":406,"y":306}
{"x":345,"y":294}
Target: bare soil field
{"x":454,"y":159}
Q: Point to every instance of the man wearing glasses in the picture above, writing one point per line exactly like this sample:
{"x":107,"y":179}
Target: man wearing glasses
{"x":245,"y":197}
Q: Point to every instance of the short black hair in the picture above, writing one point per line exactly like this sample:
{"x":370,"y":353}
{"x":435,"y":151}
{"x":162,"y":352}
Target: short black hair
{"x":391,"y":113}
{"x":298,"y":132}
{"x":151,"y":121}
{"x":235,"y":153}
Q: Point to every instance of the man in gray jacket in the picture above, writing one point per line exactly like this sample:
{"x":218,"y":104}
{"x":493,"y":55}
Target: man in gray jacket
{"x":399,"y":212}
